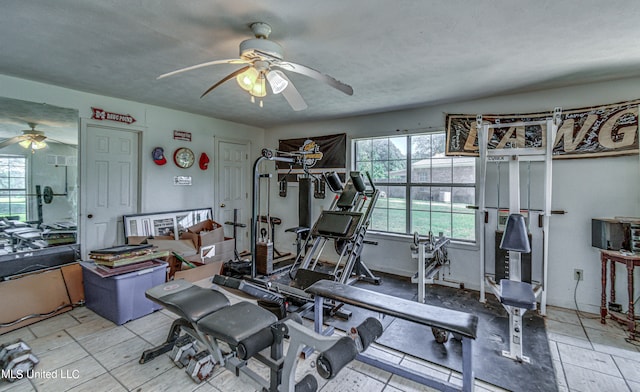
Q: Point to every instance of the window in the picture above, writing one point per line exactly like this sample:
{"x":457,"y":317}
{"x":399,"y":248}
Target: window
{"x":13,"y":186}
{"x":420,"y":188}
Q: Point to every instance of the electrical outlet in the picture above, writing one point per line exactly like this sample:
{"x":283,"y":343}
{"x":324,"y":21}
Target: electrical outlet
{"x":578,"y":274}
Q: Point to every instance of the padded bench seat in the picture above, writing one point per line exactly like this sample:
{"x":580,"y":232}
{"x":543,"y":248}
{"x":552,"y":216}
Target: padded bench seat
{"x":518,"y":294}
{"x":455,"y":321}
{"x":187,"y":300}
{"x":235,"y":323}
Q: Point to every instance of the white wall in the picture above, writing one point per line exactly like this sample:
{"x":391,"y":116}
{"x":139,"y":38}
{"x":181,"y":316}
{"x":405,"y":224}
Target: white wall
{"x":157,"y":124}
{"x":586,"y":188}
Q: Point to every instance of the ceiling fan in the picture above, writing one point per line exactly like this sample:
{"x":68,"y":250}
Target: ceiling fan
{"x":30,"y":138}
{"x":264,"y":62}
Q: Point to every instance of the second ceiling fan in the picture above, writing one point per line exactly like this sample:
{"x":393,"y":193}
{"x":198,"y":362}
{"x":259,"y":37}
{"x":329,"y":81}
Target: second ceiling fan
{"x":264,"y":62}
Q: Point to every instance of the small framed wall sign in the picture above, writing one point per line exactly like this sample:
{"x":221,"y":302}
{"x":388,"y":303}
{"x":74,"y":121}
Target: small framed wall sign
{"x":182,"y":180}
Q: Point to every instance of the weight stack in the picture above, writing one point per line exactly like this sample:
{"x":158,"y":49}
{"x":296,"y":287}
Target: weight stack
{"x":502,"y":262}
{"x":264,"y":258}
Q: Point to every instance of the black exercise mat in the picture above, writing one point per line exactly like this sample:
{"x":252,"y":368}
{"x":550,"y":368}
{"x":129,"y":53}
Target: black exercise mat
{"x":493,"y":335}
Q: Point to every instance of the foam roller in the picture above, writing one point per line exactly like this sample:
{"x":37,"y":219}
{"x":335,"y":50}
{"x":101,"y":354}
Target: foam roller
{"x":330,"y":362}
{"x":254,"y":344}
{"x":358,"y":182}
{"x":369,"y":331}
{"x":333,"y":180}
{"x":307,"y":384}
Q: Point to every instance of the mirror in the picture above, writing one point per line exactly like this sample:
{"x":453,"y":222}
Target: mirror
{"x":38,"y":176}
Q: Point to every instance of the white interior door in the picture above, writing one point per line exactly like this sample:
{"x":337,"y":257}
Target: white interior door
{"x":233,"y":188}
{"x":110,"y":190}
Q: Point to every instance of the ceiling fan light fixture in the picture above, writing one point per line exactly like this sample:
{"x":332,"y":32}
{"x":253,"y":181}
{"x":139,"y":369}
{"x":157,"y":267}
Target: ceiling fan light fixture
{"x":259,"y":88}
{"x":247,"y":79}
{"x":32,"y":144}
{"x":277,"y":82}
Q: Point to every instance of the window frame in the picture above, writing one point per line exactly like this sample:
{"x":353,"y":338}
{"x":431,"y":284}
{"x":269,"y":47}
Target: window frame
{"x":409,"y":185}
{"x":26,"y":185}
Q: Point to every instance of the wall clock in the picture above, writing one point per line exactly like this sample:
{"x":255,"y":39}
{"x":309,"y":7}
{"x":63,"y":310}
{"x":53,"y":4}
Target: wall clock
{"x":184,"y":157}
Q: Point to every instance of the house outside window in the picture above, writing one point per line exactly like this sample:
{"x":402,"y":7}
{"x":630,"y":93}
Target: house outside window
{"x":421,"y":189}
{"x":13,"y":187}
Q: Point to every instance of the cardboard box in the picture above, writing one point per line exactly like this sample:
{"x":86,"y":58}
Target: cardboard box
{"x":40,"y":293}
{"x":203,"y":272}
{"x":72,"y":275}
{"x":222,"y":251}
{"x":208,"y":231}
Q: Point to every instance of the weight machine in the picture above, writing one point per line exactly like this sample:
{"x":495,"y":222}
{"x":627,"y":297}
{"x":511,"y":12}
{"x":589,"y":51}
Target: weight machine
{"x":302,"y":158}
{"x":346,"y":223}
{"x":516,"y":296}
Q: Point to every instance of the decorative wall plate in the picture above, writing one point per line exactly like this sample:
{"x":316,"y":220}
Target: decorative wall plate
{"x":184,"y":157}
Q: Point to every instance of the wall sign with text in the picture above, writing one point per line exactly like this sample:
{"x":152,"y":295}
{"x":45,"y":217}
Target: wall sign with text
{"x":605,"y":130}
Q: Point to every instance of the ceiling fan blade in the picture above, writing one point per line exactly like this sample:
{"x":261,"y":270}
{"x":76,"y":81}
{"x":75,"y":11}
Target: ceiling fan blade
{"x":228,"y":61}
{"x":312,"y":73}
{"x":230,"y":76}
{"x":11,"y":141}
{"x":291,"y":94}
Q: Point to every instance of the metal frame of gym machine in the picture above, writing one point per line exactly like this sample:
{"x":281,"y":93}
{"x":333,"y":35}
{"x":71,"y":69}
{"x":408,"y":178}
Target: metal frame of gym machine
{"x":267,"y":155}
{"x":514,"y":156}
{"x":352,"y":242}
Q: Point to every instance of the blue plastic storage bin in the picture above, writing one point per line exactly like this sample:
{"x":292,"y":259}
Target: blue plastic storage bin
{"x":121,"y":298}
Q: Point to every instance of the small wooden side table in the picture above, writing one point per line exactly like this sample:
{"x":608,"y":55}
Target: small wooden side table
{"x":631,"y":261}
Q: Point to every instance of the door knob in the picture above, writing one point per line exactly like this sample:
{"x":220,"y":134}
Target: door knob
{"x":90,"y":216}
{"x":223,"y":205}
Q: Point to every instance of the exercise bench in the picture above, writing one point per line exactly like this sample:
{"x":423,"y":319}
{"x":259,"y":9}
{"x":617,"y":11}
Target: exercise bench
{"x":462,"y":325}
{"x":207,"y":318}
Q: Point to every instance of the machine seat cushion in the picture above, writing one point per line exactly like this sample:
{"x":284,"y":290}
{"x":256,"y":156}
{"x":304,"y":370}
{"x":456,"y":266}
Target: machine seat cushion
{"x":519,"y":294}
{"x":334,"y":223}
{"x":187,"y":300}
{"x":237,"y":322}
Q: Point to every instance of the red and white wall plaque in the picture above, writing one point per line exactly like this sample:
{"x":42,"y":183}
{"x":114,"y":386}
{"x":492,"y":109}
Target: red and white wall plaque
{"x":99,"y":114}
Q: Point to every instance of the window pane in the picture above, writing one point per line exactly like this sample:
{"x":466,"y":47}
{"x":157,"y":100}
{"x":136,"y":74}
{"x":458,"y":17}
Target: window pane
{"x":441,"y":223}
{"x":437,"y":144}
{"x":421,"y":170}
{"x":380,"y":171}
{"x":363,"y":150}
{"x":398,"y":171}
{"x":18,"y":183}
{"x":461,"y":198}
{"x":12,"y":176}
{"x":421,"y":198}
{"x":421,"y":147}
{"x":364,"y":167}
{"x":441,"y":170}
{"x":441,"y":199}
{"x":463,"y":226}
{"x":380,"y":149}
{"x":390,"y":211}
{"x":464,"y":170}
{"x":420,"y":221}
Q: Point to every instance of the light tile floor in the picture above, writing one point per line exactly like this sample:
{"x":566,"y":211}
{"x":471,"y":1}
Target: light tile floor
{"x":89,"y":353}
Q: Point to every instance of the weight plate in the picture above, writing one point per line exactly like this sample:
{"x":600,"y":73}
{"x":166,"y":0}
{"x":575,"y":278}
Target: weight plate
{"x":47,"y":196}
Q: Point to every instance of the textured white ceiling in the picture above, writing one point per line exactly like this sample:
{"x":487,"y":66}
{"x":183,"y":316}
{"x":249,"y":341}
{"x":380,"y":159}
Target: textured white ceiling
{"x":395,"y":54}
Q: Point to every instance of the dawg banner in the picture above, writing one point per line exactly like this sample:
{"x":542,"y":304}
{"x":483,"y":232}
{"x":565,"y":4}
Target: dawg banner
{"x":606,"y":130}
